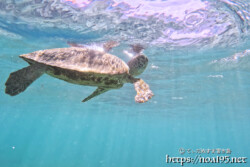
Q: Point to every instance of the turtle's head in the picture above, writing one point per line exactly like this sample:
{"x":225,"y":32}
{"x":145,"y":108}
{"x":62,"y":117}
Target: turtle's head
{"x":137,"y":64}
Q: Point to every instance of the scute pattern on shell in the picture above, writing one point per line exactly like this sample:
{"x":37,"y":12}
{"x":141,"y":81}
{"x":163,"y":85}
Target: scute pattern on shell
{"x":79,"y":59}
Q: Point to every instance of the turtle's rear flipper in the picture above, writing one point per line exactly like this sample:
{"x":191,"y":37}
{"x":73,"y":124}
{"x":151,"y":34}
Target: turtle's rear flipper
{"x":97,"y":92}
{"x":18,"y":81}
{"x":73,"y":44}
{"x":143,"y":91}
{"x":109,"y":45}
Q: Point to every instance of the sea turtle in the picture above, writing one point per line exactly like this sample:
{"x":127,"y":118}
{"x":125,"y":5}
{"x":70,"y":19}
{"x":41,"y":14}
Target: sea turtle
{"x":83,"y":65}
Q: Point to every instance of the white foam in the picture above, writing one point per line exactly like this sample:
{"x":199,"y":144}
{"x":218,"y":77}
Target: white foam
{"x":130,"y":55}
{"x":95,"y":47}
{"x":215,"y":76}
{"x":154,"y":66}
{"x":177,"y":98}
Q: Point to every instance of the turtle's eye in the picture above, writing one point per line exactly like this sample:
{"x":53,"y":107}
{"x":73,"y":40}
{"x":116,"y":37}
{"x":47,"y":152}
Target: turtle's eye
{"x":143,"y":58}
{"x":142,"y":61}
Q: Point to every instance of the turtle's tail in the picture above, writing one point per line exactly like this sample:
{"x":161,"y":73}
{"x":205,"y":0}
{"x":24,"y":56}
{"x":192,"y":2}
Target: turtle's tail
{"x":18,"y":81}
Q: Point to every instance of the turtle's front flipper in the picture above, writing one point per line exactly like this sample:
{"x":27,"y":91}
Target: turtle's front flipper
{"x":143,"y":91}
{"x":97,"y":92}
{"x":18,"y":81}
{"x":137,"y":48}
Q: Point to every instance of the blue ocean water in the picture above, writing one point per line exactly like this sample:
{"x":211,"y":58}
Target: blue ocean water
{"x":199,"y":75}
